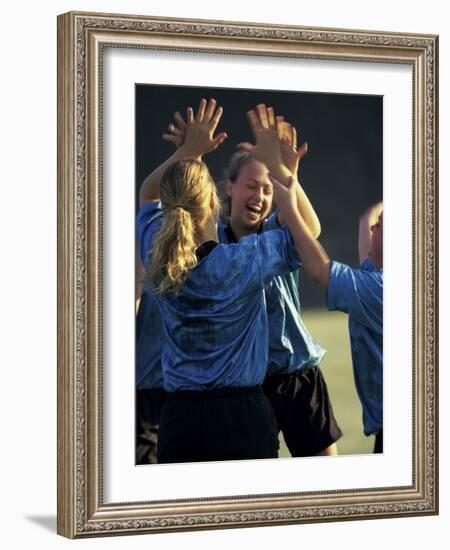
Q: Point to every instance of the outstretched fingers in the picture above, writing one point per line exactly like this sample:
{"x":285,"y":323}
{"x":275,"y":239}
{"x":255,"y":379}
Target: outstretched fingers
{"x":170,"y":137}
{"x":210,"y":109}
{"x":216,"y":119}
{"x":201,"y":110}
{"x":302,"y":151}
{"x":175,"y":130}
{"x":197,"y":133}
{"x":219,"y":139}
{"x":293,"y":137}
{"x":262,"y":114}
{"x":254,"y":122}
{"x":179,"y":120}
{"x":271,"y":117}
{"x":175,"y":134}
{"x":279,"y":122}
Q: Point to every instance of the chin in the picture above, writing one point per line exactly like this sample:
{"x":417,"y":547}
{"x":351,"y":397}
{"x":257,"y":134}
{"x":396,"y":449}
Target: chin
{"x":253,"y":223}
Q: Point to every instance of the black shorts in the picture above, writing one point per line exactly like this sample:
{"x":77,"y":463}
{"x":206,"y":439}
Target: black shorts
{"x":303,"y":411}
{"x":378,"y":447}
{"x":148,"y":411}
{"x":222,"y":424}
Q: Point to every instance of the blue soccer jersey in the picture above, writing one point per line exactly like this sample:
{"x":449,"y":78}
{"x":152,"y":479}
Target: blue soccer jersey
{"x":291,"y":347}
{"x":216,"y":327}
{"x":359,"y":292}
{"x":149,"y":342}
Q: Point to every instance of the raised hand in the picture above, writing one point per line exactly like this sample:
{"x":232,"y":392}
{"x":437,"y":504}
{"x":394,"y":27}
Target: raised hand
{"x":281,"y":158}
{"x":289,"y":153}
{"x":193,"y":138}
{"x":196,"y":136}
{"x":285,"y":195}
{"x":287,"y":136}
{"x":267,"y":148}
{"x":176,"y":131}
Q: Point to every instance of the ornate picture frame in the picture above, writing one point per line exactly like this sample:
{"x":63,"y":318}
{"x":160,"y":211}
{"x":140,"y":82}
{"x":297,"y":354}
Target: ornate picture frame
{"x":82,"y":39}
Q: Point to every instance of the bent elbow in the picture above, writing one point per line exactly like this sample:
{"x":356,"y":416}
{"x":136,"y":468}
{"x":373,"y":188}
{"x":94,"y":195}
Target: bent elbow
{"x":317,"y":231}
{"x":321,"y":274}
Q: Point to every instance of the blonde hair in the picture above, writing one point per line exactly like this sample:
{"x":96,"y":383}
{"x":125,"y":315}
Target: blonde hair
{"x":189,"y":200}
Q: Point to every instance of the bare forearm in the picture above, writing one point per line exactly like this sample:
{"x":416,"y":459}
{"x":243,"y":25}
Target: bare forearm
{"x":306,"y":210}
{"x":315,"y":260}
{"x":279,"y":171}
{"x":149,"y":190}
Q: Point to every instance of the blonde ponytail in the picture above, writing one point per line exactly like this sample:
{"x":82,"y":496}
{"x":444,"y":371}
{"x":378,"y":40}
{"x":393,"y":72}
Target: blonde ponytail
{"x":185,"y":191}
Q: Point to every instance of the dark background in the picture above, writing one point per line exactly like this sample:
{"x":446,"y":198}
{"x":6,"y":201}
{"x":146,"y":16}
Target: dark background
{"x":341,"y":173}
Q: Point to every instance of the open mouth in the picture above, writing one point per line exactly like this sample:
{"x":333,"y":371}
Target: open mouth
{"x":254,"y":209}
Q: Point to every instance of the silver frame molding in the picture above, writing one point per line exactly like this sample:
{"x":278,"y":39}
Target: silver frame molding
{"x":81,"y":39}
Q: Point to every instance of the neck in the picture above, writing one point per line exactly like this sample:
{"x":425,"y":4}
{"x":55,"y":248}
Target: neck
{"x":240,"y":231}
{"x":210,"y":232}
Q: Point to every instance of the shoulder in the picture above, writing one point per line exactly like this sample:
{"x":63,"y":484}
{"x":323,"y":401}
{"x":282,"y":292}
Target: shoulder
{"x":148,"y":222}
{"x":349,"y":288}
{"x":149,"y":212}
{"x":271,"y":222}
{"x":366,"y":272}
{"x":226,"y":251}
{"x":368,"y":265}
{"x":233,"y":260}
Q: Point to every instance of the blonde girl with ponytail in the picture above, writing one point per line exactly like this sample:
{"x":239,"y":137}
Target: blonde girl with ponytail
{"x":190,"y":212}
{"x":211,"y":300}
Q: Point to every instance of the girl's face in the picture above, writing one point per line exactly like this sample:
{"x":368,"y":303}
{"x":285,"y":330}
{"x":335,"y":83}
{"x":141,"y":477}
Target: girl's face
{"x":250,"y":196}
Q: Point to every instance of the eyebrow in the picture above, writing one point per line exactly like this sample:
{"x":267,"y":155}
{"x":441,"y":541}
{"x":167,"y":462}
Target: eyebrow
{"x":268,"y":183}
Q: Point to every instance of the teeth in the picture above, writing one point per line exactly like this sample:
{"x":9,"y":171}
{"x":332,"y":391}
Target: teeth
{"x":256,"y":209}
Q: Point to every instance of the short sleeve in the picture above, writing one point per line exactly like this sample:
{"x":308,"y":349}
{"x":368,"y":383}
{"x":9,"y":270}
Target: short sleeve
{"x":358,"y":292}
{"x":271,"y":222}
{"x":148,"y":222}
{"x":276,"y":254}
{"x":367,"y":265}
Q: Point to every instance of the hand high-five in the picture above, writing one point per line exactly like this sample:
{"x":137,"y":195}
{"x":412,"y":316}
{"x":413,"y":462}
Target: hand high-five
{"x":287,"y":135}
{"x":193,"y":137}
{"x":196,"y":135}
{"x":267,"y":143}
{"x":285,"y":195}
{"x":290,"y":154}
{"x":177,"y":131}
{"x":267,"y":130}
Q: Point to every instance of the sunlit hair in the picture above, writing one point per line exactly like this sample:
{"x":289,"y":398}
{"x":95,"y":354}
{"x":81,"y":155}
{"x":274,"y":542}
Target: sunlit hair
{"x":231,"y":173}
{"x":189,"y":201}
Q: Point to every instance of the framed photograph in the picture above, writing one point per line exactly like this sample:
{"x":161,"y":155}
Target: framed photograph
{"x":367,"y":104}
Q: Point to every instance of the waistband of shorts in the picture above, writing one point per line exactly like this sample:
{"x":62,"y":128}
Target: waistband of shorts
{"x":215,"y":392}
{"x":287,"y":375}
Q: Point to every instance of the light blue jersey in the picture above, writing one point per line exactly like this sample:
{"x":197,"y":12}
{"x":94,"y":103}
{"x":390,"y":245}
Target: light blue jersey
{"x":291,"y":347}
{"x":216,"y":326}
{"x":359,"y":292}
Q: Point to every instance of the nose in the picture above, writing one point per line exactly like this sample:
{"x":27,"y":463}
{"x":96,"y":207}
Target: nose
{"x":260,"y":193}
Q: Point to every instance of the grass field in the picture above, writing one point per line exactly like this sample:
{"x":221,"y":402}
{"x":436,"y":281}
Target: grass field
{"x":330,"y":330}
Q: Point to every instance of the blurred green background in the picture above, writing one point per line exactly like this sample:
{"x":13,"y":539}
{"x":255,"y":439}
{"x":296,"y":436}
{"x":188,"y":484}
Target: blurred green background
{"x":330,"y":330}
